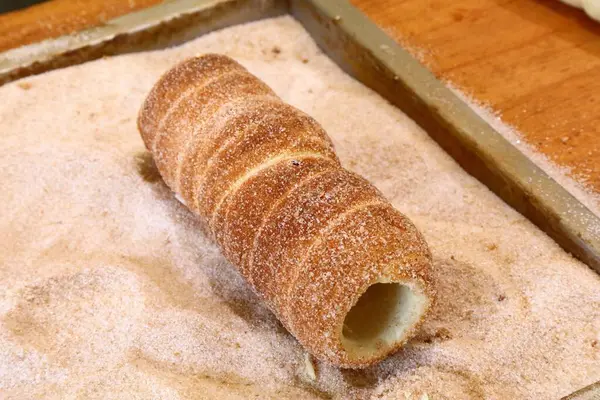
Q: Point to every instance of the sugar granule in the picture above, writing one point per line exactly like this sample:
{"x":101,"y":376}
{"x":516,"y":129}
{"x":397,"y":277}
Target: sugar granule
{"x":110,"y":289}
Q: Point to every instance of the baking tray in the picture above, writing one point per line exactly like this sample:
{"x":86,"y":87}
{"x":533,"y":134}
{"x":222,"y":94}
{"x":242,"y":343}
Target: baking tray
{"x":367,"y":53}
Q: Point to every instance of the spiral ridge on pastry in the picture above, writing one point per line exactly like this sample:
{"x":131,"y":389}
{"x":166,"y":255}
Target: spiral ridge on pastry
{"x":346,"y":273}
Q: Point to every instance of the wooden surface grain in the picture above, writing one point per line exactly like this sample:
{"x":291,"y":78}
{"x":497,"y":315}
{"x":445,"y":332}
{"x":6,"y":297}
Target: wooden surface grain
{"x":536,"y":63}
{"x":60,"y":17}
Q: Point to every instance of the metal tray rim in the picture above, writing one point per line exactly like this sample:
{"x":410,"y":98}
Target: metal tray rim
{"x":573,"y":226}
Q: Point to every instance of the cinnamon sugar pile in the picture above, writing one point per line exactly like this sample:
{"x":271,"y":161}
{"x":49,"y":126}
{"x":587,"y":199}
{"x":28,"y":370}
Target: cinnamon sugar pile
{"x":110,"y":289}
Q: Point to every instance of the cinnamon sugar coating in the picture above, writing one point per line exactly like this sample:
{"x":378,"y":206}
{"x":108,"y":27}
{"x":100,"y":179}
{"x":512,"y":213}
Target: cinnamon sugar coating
{"x":309,"y":236}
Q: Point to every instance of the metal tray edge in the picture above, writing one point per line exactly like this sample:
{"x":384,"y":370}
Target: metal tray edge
{"x":591,"y":392}
{"x":367,"y":53}
{"x":166,"y":24}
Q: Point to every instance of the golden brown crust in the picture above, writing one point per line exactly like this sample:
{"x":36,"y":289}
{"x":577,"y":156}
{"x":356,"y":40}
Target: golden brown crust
{"x":273,"y":128}
{"x":171,"y":86}
{"x":364,"y":244}
{"x":245,"y":211}
{"x":309,"y":236}
{"x":297,"y":223}
{"x":208,"y":135}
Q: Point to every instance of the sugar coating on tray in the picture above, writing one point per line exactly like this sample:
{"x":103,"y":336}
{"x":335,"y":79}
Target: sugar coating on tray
{"x":346,"y":273}
{"x":110,"y":289}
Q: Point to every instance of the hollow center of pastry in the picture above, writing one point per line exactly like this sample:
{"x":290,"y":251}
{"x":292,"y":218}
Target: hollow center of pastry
{"x":381,"y":318}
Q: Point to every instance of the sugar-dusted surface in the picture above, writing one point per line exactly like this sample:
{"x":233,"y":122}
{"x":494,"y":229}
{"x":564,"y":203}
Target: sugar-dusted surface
{"x":232,"y":140}
{"x":109,"y":289}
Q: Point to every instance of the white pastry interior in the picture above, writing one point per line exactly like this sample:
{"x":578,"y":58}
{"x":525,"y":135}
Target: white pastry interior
{"x":382,"y":317}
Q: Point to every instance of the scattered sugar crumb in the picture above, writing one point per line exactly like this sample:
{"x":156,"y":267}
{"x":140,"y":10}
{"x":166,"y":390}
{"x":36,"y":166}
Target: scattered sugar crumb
{"x":110,"y":289}
{"x":24,"y":85}
{"x":310,"y":368}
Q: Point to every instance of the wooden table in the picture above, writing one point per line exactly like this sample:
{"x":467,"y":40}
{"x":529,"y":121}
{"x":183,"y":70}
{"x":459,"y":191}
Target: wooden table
{"x":60,"y":17}
{"x":536,"y":63}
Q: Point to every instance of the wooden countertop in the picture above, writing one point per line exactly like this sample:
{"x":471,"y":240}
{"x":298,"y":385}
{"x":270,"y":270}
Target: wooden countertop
{"x":60,"y":17}
{"x":536,"y":63}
